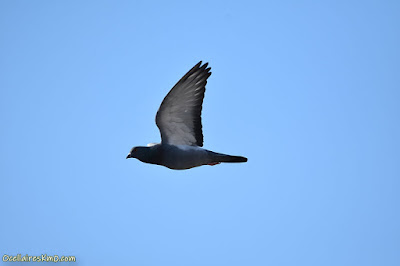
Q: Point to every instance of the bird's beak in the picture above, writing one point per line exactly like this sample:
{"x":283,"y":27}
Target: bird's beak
{"x":129,"y":156}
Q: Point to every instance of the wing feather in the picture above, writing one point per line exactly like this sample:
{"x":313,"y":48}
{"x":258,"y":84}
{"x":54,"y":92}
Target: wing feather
{"x":179,"y":116}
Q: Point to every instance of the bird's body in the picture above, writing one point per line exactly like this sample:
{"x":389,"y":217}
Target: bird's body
{"x":181,"y":157}
{"x":179,"y":121}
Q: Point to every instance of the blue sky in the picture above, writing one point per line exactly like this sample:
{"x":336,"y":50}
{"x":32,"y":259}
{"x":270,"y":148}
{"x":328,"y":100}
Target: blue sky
{"x":307,"y":90}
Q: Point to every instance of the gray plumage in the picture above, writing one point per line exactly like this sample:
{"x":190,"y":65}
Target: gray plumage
{"x":179,"y":121}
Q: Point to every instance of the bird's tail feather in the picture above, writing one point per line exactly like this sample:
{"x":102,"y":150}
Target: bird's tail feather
{"x":224,"y":158}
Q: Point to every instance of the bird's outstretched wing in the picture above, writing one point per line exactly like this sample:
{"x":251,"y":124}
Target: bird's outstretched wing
{"x":179,"y":116}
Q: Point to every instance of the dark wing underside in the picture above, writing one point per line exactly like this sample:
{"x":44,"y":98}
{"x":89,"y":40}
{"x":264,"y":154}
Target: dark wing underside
{"x":179,"y":116}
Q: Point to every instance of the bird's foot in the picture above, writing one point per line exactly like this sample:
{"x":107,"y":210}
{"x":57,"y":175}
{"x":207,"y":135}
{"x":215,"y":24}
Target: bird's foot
{"x":212,"y":164}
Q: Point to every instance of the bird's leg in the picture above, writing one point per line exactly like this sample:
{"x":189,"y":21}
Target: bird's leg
{"x":212,"y":164}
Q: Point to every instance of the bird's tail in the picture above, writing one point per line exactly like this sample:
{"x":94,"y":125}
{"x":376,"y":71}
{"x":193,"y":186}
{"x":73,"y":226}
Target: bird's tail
{"x":224,"y":158}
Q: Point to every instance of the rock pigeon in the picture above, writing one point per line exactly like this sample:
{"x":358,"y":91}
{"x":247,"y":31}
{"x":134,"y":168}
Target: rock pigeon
{"x":179,"y":121}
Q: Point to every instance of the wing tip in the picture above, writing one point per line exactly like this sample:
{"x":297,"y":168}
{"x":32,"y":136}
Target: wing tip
{"x":202,"y":66}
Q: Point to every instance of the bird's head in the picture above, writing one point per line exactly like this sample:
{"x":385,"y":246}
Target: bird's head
{"x":138,"y":152}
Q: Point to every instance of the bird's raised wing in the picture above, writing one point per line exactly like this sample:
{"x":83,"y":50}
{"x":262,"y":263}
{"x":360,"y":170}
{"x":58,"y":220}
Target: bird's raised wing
{"x":179,"y":116}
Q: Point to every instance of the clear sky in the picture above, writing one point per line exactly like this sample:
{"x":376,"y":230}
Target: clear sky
{"x":309,"y":91}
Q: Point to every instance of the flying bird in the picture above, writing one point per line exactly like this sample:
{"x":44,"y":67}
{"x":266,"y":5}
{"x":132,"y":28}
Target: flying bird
{"x":179,"y":121}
